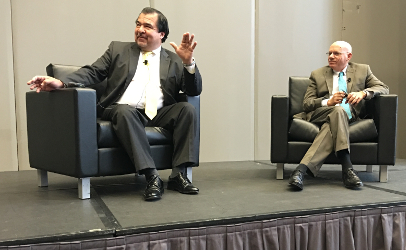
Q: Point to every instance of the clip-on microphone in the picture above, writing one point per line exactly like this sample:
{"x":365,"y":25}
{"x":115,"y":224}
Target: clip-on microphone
{"x":146,"y":62}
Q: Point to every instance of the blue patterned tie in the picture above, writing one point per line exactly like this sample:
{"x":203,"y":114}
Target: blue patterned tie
{"x":342,"y":86}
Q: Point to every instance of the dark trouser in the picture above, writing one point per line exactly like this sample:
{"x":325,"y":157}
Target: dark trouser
{"x":129,"y":125}
{"x":333,"y":136}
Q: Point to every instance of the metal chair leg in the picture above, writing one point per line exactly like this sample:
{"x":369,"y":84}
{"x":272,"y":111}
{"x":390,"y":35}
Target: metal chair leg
{"x":84,"y":188}
{"x":383,"y":173}
{"x":279,"y":171}
{"x":42,"y":178}
{"x":189,"y":173}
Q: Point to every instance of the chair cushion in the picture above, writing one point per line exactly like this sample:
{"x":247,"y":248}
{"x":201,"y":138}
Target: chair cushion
{"x":360,"y":131}
{"x":301,"y":130}
{"x":107,"y":138}
{"x":363,"y":131}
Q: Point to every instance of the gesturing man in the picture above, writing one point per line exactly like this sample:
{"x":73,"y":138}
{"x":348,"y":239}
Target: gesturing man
{"x":333,"y":100}
{"x":142,"y":81}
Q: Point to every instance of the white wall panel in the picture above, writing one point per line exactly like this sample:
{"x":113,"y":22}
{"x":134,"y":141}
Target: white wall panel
{"x":376,"y":31}
{"x":401,"y":140}
{"x":8,"y":134}
{"x":293,"y":37}
{"x":67,"y":32}
{"x":225,"y":34}
{"x":246,"y":51}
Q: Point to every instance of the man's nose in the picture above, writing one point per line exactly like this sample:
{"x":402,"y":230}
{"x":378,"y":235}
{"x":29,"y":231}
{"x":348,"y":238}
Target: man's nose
{"x":141,"y":29}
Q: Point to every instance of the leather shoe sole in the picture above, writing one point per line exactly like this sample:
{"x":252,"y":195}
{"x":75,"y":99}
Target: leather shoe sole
{"x":182,"y":184}
{"x":175,"y":187}
{"x":153,"y":197}
{"x":351,"y":180}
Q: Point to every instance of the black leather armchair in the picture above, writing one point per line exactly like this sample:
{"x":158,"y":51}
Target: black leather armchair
{"x":373,"y":139}
{"x":65,"y":136}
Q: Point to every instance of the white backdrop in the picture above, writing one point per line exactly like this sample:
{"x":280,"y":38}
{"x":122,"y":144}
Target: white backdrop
{"x":246,"y":51}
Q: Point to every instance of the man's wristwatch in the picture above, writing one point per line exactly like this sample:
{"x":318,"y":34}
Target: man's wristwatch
{"x":188,"y":65}
{"x":366,"y":92}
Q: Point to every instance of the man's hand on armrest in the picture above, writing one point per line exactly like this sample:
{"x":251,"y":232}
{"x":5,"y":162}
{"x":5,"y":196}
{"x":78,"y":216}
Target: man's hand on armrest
{"x":44,"y":83}
{"x":355,"y":97}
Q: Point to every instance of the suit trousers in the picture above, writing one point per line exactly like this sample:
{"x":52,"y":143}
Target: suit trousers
{"x":333,"y":136}
{"x":129,"y":125}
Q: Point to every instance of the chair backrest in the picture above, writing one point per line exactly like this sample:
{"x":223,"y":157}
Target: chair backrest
{"x":297,"y":89}
{"x":59,"y":70}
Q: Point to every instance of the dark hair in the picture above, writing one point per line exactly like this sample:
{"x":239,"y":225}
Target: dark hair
{"x":162,"y":21}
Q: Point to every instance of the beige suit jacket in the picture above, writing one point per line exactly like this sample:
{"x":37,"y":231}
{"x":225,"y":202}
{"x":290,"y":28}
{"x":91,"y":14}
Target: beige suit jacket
{"x":359,"y":77}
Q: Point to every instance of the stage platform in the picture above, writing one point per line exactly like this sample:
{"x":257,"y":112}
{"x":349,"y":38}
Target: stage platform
{"x":230,"y":192}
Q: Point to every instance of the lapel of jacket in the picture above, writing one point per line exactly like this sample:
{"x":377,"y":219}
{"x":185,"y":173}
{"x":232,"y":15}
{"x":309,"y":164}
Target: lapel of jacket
{"x":134,"y":54}
{"x":329,"y":79}
{"x":350,"y":75}
{"x":164,"y":66}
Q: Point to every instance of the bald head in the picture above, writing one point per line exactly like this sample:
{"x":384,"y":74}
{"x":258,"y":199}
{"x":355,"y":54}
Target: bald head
{"x":339,"y":55}
{"x":344,"y":45}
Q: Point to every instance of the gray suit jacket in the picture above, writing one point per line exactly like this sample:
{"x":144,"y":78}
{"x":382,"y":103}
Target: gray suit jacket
{"x":119,"y":63}
{"x":321,"y":87}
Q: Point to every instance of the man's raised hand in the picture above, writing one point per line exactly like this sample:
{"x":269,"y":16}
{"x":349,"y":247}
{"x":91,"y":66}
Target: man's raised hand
{"x":186,"y":48}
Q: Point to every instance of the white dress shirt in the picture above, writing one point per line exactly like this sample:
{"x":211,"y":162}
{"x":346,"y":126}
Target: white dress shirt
{"x":134,"y":95}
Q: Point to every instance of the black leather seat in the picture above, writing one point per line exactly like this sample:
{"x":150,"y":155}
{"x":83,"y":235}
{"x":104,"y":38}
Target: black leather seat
{"x":373,"y":139}
{"x":65,"y":136}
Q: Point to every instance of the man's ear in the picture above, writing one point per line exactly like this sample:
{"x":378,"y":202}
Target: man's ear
{"x":162,"y":34}
{"x":349,"y":56}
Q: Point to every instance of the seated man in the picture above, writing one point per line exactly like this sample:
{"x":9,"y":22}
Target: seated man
{"x":142,"y":81}
{"x":327,"y":104}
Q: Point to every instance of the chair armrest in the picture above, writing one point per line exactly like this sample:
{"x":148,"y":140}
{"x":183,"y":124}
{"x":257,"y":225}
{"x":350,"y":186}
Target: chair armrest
{"x":384,"y":112}
{"x":62,"y":131}
{"x":279,"y":128}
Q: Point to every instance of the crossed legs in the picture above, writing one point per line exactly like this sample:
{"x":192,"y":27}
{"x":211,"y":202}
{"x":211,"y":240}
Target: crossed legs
{"x":333,"y":136}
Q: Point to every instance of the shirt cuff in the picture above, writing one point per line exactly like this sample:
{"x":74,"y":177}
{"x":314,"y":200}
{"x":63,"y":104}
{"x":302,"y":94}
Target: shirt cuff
{"x":370,"y":94}
{"x":190,"y":68}
{"x":324,"y":103}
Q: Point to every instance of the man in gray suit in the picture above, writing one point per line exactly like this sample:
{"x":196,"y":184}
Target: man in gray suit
{"x":327,"y":104}
{"x":142,"y":81}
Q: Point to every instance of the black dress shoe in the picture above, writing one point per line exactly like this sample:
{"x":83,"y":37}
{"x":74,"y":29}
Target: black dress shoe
{"x":350,"y":179}
{"x":182,"y":184}
{"x":155,"y":188}
{"x":296,"y":180}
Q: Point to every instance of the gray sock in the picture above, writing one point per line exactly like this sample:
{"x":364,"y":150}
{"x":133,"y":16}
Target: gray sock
{"x":149,"y":172}
{"x":177,"y":170}
{"x":302,"y":168}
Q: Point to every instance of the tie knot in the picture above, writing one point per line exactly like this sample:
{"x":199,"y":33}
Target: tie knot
{"x":146,"y":54}
{"x":340,"y":74}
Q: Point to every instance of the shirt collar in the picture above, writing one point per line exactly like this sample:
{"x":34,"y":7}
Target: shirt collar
{"x":344,"y":70}
{"x":156,"y":51}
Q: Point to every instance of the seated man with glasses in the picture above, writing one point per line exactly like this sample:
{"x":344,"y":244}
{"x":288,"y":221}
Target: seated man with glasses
{"x":327,"y":104}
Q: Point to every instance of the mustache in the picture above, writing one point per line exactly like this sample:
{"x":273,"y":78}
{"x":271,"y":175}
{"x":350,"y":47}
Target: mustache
{"x":140,"y":35}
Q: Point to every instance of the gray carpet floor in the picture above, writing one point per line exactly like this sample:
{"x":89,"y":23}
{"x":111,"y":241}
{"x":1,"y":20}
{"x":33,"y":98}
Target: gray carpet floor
{"x":228,"y":190}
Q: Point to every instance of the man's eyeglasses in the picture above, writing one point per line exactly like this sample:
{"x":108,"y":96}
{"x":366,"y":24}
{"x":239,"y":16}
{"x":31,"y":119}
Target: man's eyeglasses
{"x":335,"y":53}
